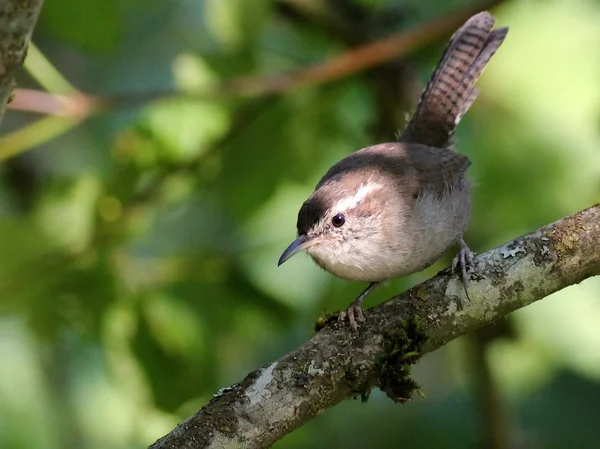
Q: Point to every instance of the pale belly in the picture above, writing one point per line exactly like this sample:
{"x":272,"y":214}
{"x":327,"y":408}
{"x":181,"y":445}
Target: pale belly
{"x":384,"y":262}
{"x":436,"y":226}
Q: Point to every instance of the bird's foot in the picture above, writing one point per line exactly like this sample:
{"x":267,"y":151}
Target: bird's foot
{"x":353,"y":313}
{"x":464,"y":261}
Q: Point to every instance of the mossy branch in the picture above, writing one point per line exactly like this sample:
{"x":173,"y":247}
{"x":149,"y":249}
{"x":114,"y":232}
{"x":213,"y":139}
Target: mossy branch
{"x":336,"y":363}
{"x":17,"y":19}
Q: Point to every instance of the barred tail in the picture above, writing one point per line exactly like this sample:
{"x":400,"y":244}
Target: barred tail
{"x":451,"y":89}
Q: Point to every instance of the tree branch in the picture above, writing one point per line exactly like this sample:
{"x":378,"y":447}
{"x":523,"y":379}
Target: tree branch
{"x":17,"y":19}
{"x":336,"y":363}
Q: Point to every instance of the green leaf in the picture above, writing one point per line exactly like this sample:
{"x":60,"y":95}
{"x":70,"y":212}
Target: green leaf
{"x":67,"y":212}
{"x":184,"y":128}
{"x":93,"y":25}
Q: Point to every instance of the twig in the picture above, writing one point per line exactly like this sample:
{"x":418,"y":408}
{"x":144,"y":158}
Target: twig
{"x":337,"y":363}
{"x":361,"y":58}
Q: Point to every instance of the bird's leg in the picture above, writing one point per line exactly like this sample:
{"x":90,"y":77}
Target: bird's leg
{"x":464,"y":261}
{"x":354,"y":312}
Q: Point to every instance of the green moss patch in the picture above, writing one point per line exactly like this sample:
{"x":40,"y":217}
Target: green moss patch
{"x":403,"y":347}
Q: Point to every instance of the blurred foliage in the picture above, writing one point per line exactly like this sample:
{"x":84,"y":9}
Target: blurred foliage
{"x":139,"y":272}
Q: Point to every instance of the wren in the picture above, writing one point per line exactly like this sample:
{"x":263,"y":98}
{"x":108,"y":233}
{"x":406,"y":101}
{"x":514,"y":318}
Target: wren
{"x":393,"y":209}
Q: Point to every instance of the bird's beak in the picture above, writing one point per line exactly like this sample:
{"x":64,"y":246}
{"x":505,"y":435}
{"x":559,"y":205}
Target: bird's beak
{"x":301,"y":243}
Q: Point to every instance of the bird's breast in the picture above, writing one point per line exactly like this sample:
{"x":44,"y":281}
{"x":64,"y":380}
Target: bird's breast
{"x":433,"y":225}
{"x":367,"y":263}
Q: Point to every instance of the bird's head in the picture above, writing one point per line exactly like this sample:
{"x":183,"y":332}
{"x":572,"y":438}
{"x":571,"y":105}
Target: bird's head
{"x":340,"y":225}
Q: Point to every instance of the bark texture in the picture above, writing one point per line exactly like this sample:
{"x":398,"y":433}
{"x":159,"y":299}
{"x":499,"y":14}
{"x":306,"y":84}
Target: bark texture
{"x":336,"y":363}
{"x":17,"y":19}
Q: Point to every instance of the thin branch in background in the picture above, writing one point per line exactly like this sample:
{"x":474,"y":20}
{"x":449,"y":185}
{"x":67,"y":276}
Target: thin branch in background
{"x":45,"y":74}
{"x":17,"y":20}
{"x":79,"y":106}
{"x":358,"y":59}
{"x":494,"y":414}
{"x":35,"y":134}
{"x":343,"y":65}
{"x":337,"y":363}
{"x":75,"y":105}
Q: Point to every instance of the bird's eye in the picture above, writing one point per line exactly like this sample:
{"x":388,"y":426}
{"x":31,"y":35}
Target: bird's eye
{"x":338,"y":220}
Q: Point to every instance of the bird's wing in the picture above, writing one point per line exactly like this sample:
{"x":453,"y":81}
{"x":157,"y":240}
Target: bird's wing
{"x":435,"y":170}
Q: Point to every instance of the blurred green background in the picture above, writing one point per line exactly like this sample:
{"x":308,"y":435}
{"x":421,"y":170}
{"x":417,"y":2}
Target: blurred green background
{"x":139,"y":247}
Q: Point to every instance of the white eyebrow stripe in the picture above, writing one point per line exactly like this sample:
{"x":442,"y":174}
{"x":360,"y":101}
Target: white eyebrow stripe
{"x":361,"y":193}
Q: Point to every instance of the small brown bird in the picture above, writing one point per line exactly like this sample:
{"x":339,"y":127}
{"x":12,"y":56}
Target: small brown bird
{"x":393,"y":209}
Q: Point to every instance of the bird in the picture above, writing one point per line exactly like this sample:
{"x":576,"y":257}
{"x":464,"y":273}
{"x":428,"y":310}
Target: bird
{"x":393,"y":209}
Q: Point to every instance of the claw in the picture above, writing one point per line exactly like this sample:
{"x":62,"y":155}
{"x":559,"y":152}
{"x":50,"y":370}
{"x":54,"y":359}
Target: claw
{"x":354,"y":312}
{"x":464,"y":260}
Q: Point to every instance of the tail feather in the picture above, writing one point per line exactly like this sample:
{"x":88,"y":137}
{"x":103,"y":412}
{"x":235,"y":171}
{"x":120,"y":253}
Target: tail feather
{"x":451,"y":89}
